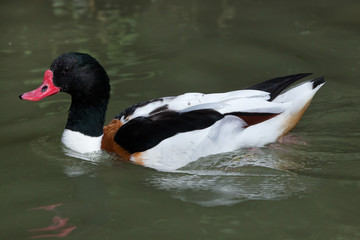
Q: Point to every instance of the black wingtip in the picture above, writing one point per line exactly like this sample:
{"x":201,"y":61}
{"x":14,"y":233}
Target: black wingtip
{"x":276,"y":85}
{"x":318,"y":81}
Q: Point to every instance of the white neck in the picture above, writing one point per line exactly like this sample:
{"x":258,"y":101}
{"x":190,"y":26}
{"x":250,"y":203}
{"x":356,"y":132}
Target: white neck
{"x":81,"y":143}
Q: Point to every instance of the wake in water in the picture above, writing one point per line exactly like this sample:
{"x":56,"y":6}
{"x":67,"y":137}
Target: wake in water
{"x":227,"y":179}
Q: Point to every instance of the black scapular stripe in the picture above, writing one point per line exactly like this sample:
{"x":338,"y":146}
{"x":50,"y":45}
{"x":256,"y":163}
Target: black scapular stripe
{"x":276,"y":85}
{"x":143,"y":133}
{"x":130,"y":110}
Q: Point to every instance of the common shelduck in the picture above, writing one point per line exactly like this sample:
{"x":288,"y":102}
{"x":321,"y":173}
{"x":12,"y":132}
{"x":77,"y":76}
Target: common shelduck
{"x":170,"y":132}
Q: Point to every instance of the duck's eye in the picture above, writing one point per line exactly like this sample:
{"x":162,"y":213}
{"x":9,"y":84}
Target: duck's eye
{"x":66,"y":69}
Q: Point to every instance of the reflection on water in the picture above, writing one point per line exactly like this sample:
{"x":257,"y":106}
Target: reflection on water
{"x":227,"y":179}
{"x":227,"y":189}
{"x":58,"y":228}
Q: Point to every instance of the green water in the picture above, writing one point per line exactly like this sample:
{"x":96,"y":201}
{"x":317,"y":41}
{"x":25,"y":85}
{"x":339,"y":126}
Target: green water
{"x":307,"y":188}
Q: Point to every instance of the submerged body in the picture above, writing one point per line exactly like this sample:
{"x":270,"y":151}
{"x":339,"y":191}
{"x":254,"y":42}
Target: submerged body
{"x":168,"y":133}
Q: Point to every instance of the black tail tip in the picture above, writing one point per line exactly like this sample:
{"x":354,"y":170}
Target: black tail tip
{"x":318,"y":81}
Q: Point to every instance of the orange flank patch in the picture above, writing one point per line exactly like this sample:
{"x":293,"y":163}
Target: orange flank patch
{"x":108,"y":142}
{"x":294,"y":119}
{"x":137,"y":158}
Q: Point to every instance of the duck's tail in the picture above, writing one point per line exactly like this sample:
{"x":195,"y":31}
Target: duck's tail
{"x":298,"y":98}
{"x":294,"y":101}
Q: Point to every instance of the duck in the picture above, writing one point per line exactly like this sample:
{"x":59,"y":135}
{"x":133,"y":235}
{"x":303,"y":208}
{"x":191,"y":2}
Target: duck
{"x":168,"y":133}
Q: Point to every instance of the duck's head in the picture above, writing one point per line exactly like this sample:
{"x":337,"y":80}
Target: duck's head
{"x":78,"y":74}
